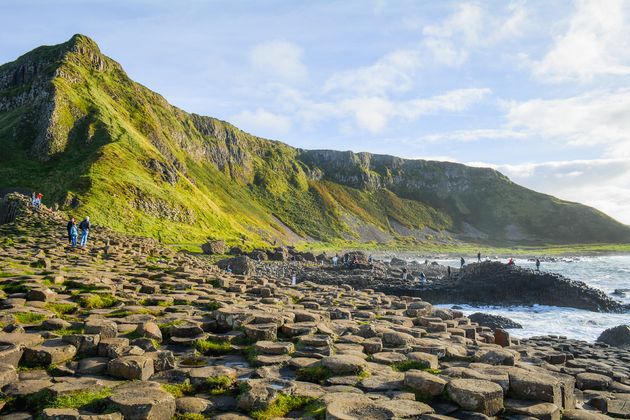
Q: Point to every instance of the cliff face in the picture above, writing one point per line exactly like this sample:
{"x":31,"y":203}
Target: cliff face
{"x":74,"y":126}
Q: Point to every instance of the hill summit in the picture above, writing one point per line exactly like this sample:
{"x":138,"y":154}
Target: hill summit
{"x":74,"y":126}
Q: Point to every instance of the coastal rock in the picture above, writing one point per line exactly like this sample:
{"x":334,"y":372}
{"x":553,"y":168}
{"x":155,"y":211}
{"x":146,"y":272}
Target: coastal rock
{"x":493,"y":321}
{"x":618,"y":336}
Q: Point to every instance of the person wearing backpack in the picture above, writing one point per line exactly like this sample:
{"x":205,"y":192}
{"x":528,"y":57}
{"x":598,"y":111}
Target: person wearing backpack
{"x":85,"y":230}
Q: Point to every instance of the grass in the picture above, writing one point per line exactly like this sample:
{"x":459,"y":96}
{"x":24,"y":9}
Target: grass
{"x":316,"y":374}
{"x":81,"y":399}
{"x":213,"y":348}
{"x":282,"y":406}
{"x":191,"y":416}
{"x":29,"y":318}
{"x":219,"y":385}
{"x":97,"y":301}
{"x":11,"y":287}
{"x":61,"y":309}
{"x":179,"y":390}
{"x":68,"y":331}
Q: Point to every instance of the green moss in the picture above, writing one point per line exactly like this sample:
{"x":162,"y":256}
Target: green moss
{"x":82,"y":400}
{"x":219,"y":385}
{"x":282,"y":406}
{"x":68,"y":331}
{"x":11,"y":287}
{"x":29,"y":317}
{"x":61,"y":309}
{"x":191,"y":416}
{"x":97,"y":301}
{"x":179,"y":390}
{"x":214,"y":348}
{"x":316,"y":374}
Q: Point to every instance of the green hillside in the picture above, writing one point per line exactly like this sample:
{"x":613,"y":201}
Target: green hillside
{"x":74,"y":126}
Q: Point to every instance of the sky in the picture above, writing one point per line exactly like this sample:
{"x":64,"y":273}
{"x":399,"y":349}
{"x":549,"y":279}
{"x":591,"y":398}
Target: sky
{"x":535,"y":89}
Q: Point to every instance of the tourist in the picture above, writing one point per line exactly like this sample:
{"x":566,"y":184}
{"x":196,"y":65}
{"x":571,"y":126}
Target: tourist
{"x":38,"y":201}
{"x":511,"y":261}
{"x":537,"y":264}
{"x":462,"y":262}
{"x":404,"y":274}
{"x":478,"y":257}
{"x":448,"y":271}
{"x":71,"y":223}
{"x":423,"y":278}
{"x":33,"y":199}
{"x":228,"y":268}
{"x":85,"y":230}
{"x":73,"y":232}
{"x":335,"y":259}
{"x":370,"y":259}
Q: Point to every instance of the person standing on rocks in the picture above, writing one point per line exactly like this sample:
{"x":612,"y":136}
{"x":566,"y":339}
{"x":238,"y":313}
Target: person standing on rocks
{"x":448,"y":271}
{"x":335,"y":259}
{"x":404,"y":274}
{"x":85,"y":230}
{"x":537,"y":264}
{"x":423,"y":278}
{"x":478,"y":257}
{"x":73,"y":232}
{"x":38,"y":201}
{"x":462,"y":262}
{"x":71,"y":223}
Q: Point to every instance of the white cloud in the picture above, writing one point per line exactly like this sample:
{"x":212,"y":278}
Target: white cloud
{"x":596,"y":42}
{"x":600,"y":183}
{"x":594,"y":118}
{"x":392,"y":73}
{"x":279,"y":58}
{"x":476,"y":134}
{"x":451,"y":41}
{"x":262,"y":122}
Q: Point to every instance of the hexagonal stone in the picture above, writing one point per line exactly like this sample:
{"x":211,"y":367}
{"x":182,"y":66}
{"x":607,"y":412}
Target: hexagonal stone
{"x":388,"y":357}
{"x":86,"y":344}
{"x":496,"y":356}
{"x":51,"y":352}
{"x":10,"y":354}
{"x":143,"y":401}
{"x":596,"y":381}
{"x":266,"y":332}
{"x":476,"y":395}
{"x":525,"y":385}
{"x":8,"y":374}
{"x":271,"y":347}
{"x":344,"y":364}
{"x":543,"y":411}
{"x":424,"y":383}
{"x":198,"y":376}
{"x":131,"y":367}
{"x":430,"y":361}
{"x":105,"y":328}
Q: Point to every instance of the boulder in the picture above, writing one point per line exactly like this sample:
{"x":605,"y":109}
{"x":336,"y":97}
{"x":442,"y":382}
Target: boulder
{"x":344,"y":364}
{"x":526,"y":385}
{"x":424,"y":383}
{"x":150,"y":330}
{"x":242,"y":265}
{"x":51,"y":352}
{"x":143,"y":401}
{"x":618,"y":336}
{"x":131,"y":367}
{"x":476,"y":395}
{"x":214,"y":247}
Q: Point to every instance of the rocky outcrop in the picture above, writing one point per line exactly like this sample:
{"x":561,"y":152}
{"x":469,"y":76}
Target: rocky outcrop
{"x":618,"y":336}
{"x":493,"y":321}
{"x":495,"y":283}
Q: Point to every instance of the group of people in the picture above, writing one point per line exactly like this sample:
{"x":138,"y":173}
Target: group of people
{"x":73,"y":231}
{"x":348,"y":261}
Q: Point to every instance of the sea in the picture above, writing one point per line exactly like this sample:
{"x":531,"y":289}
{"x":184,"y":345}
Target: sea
{"x":606,"y":273}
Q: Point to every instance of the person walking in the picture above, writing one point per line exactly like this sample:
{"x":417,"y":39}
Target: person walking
{"x":85,"y":230}
{"x":462,"y":262}
{"x":448,"y":271}
{"x":478,"y":257}
{"x":537,"y":264}
{"x":73,"y":232}
{"x":71,"y":223}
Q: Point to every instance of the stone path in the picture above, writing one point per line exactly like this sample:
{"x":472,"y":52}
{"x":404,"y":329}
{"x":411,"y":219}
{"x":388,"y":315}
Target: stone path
{"x":129,"y":329}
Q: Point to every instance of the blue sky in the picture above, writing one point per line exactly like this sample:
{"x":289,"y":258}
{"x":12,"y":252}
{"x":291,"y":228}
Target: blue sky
{"x":538,"y":90}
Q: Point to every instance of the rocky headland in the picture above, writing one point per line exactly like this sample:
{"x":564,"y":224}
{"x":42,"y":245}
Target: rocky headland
{"x":127,"y":328}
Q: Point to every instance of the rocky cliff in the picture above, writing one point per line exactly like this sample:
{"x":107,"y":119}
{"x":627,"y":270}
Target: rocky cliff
{"x":74,"y":126}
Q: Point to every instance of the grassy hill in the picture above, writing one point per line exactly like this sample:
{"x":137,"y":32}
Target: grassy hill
{"x":74,"y":126}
